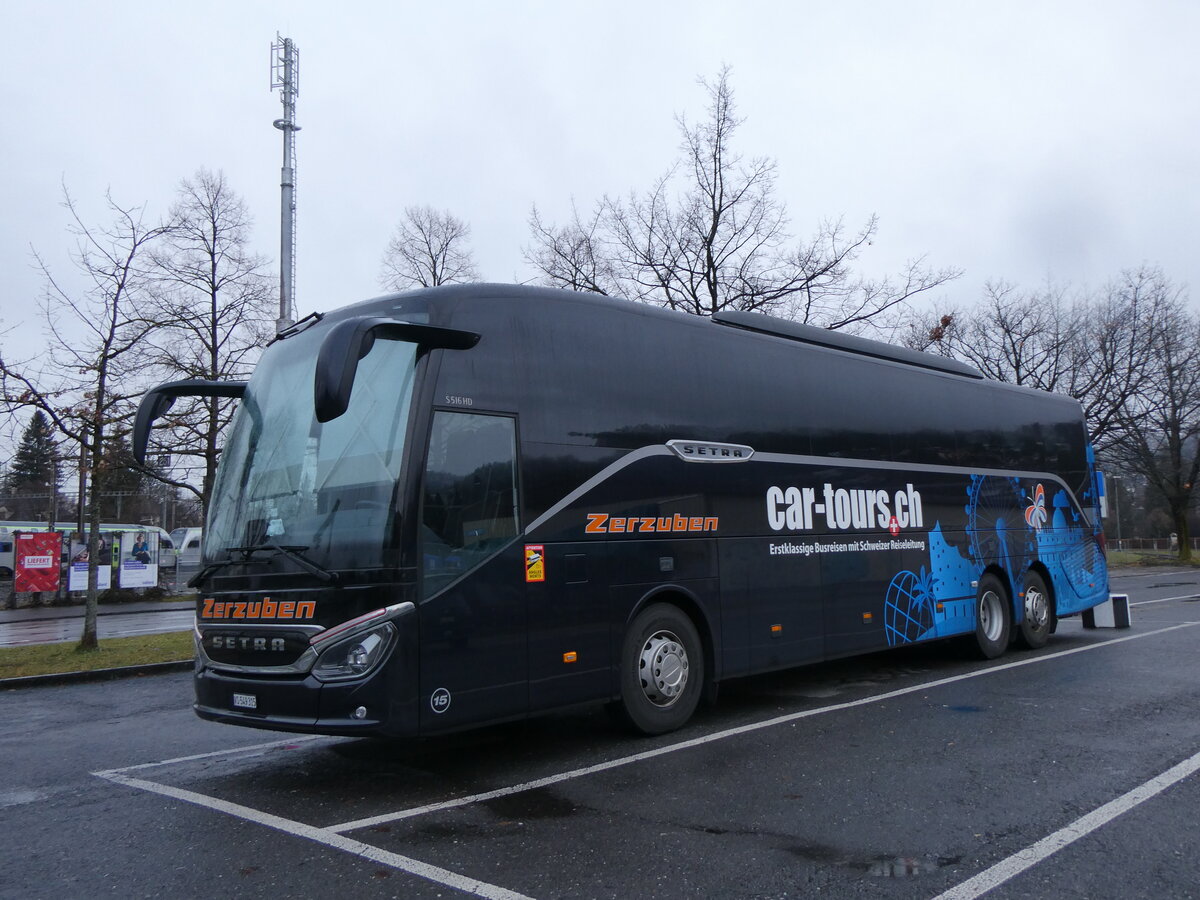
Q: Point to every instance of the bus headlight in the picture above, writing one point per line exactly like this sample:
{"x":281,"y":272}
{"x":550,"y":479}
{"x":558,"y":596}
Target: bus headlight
{"x":355,"y":656}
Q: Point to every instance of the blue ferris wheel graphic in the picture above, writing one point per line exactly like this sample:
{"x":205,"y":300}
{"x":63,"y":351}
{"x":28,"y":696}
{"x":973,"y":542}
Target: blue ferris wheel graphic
{"x":996,"y":527}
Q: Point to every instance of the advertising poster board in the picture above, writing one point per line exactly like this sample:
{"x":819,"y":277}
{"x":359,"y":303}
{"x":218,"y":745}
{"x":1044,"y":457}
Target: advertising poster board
{"x":139,"y":560}
{"x":77,"y":577}
{"x":38,"y":555}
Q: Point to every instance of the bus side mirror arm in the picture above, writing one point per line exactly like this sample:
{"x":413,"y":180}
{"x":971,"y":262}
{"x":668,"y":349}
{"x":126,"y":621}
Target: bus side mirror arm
{"x":350,"y":340}
{"x":156,"y":402}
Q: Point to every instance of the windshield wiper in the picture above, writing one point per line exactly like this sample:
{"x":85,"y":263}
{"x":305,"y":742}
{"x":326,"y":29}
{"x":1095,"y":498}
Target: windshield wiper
{"x":295,"y":553}
{"x":292,"y":552}
{"x":195,"y":580}
{"x":303,"y":325}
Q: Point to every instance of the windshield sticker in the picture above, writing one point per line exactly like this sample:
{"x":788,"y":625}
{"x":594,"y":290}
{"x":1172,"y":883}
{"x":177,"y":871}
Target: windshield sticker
{"x":535,"y":563}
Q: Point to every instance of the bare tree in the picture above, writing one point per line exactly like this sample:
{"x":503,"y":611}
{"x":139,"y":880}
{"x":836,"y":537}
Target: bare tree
{"x":1096,"y":348}
{"x":1114,"y":354}
{"x":571,"y":256}
{"x":1130,"y":354}
{"x":214,"y":304}
{"x":712,"y":234}
{"x":1160,"y":425}
{"x":428,"y":248}
{"x":1022,"y":337}
{"x":90,"y":375}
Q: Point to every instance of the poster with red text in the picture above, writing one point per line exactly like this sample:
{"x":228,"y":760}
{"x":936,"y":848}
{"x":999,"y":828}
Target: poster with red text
{"x":37,"y":557}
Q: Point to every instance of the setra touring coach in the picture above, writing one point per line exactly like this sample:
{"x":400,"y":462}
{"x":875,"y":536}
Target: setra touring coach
{"x":472,"y":503}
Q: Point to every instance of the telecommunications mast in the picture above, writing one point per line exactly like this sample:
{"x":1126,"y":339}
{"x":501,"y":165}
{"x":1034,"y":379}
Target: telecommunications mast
{"x":285,"y":75}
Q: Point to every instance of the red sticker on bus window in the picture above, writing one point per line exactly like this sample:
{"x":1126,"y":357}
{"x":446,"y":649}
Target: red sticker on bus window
{"x":535,"y":562}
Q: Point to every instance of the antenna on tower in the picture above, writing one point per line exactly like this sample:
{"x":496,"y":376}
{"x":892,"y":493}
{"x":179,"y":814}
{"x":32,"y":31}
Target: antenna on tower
{"x":285,"y":75}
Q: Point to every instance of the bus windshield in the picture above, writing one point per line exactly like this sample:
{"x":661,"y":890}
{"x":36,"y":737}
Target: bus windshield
{"x":328,"y":488}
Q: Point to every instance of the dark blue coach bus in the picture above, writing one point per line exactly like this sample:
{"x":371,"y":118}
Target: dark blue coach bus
{"x":461,"y":505}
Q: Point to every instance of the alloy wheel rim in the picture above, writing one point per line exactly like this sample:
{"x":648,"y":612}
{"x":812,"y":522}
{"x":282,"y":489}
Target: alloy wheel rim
{"x":663,"y":669}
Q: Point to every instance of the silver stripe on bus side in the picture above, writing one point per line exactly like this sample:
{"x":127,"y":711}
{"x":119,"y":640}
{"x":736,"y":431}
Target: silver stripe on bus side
{"x":839,"y":462}
{"x":801,"y":460}
{"x":599,"y":478}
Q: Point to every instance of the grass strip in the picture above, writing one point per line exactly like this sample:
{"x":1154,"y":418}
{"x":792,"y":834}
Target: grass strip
{"x":1147,"y":558}
{"x":54,"y":659}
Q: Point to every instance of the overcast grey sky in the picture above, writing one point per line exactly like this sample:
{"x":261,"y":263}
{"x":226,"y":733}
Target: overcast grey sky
{"x":1015,"y":140}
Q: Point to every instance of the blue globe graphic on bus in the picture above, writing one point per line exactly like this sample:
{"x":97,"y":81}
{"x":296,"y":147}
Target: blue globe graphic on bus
{"x":908,"y":607}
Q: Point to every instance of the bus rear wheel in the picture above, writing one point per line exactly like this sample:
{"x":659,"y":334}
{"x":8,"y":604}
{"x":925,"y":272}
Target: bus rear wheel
{"x":993,"y":617}
{"x":1038,"y":619}
{"x":662,"y":670}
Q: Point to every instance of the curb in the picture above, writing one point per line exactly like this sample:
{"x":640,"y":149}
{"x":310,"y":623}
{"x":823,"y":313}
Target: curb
{"x":96,"y":674}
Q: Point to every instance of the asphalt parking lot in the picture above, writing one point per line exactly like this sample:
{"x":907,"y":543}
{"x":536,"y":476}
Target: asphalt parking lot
{"x":1066,"y":772}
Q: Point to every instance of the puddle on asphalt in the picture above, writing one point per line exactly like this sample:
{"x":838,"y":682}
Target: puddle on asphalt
{"x":909,"y":866}
{"x":539,"y":803}
{"x":874,"y":866}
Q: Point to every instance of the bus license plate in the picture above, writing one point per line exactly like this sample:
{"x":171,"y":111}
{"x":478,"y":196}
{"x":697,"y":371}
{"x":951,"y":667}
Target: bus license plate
{"x":245,"y":701}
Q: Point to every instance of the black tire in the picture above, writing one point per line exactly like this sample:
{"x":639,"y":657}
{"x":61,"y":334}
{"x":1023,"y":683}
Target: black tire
{"x":993,"y":617}
{"x":662,"y":670}
{"x":1038,"y":620}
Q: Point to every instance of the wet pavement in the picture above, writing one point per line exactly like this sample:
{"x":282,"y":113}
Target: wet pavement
{"x":900,"y":776}
{"x":59,"y":624}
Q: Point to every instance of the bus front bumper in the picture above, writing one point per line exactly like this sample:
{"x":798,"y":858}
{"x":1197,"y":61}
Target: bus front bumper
{"x":381,"y":703}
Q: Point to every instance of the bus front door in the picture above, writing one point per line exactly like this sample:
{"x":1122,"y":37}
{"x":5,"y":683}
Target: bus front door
{"x":474,"y":660}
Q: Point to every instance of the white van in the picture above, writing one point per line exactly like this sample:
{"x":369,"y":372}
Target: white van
{"x":187,"y":546}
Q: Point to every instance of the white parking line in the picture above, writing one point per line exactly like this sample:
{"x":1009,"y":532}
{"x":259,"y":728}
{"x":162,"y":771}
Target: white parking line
{"x":1165,"y":600}
{"x":1081,"y":827}
{"x":1155,"y":573}
{"x":324,"y":836}
{"x":727,"y":733}
{"x":212,"y":754}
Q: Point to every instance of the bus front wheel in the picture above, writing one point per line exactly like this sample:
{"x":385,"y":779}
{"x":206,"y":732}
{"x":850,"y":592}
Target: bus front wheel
{"x":993,"y":617}
{"x":662,"y":670}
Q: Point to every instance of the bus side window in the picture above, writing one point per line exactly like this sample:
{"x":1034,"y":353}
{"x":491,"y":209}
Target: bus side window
{"x":469,"y":497}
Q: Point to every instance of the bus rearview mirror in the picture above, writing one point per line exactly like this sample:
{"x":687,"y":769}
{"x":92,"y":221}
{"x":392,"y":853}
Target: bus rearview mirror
{"x":350,"y":340}
{"x":157,"y":401}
